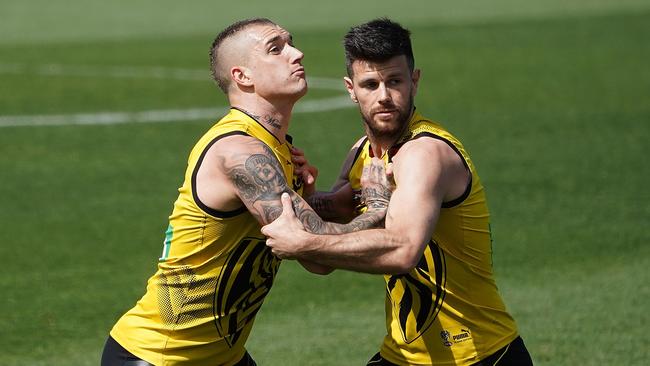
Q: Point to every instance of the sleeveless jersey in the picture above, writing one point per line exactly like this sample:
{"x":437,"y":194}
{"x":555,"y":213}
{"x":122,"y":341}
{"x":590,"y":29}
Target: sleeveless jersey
{"x":214,"y":273}
{"x":447,"y":310}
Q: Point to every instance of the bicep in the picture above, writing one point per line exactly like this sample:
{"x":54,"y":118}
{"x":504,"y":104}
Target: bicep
{"x":413,"y":213}
{"x":258,"y":180}
{"x":256,"y":177}
{"x":415,"y":204}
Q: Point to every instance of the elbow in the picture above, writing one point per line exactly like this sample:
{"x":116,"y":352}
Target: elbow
{"x":316,"y":268}
{"x":323,"y":271}
{"x":407,"y":261}
{"x":404,"y":267}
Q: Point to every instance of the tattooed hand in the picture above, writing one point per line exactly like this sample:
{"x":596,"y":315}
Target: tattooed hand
{"x":376,"y":185}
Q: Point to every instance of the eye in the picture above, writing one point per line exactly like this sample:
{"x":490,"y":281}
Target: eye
{"x":276,"y":48}
{"x":370,"y":85}
{"x":394,"y":82}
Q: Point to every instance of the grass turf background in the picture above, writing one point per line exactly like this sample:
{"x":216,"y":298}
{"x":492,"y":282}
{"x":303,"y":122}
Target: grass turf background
{"x":553,"y":110}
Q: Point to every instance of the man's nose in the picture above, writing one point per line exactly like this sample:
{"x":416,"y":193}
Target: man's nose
{"x":384,"y":94}
{"x":296,"y":55}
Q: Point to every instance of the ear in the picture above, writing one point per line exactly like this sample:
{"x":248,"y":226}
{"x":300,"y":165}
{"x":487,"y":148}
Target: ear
{"x":415,"y":77}
{"x":350,"y":87}
{"x":241,"y":76}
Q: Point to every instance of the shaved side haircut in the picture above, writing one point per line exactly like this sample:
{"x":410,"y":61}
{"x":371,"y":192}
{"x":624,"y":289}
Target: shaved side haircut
{"x":223,"y":79}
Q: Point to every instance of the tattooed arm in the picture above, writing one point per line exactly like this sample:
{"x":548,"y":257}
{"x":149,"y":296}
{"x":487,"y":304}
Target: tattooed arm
{"x":427,"y":172}
{"x":257,"y":179}
{"x":241,"y":169}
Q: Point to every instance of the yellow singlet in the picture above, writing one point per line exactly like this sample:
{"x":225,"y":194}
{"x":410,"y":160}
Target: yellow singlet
{"x":446,"y":311}
{"x":214,"y":273}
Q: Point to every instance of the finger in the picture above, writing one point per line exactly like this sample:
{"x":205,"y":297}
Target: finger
{"x":297,"y":151}
{"x":299,"y":160}
{"x":390,"y":176}
{"x":379,"y":167}
{"x":313,"y":171}
{"x":375,"y":163}
{"x":307,"y":177}
{"x":366,"y":169}
{"x":287,"y":206}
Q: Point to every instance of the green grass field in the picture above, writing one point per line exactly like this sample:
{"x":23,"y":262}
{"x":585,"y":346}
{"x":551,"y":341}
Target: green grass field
{"x":550,"y":99}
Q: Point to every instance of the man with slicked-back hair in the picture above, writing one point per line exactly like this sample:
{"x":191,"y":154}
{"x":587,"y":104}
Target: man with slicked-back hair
{"x":435,"y":251}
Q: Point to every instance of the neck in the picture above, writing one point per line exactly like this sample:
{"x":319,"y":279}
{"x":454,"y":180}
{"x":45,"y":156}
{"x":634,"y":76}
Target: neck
{"x":274,"y":117}
{"x":380,"y":145}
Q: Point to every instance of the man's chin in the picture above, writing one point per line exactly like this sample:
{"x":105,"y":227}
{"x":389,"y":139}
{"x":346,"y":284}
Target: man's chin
{"x":303,"y":90}
{"x":299,"y":93}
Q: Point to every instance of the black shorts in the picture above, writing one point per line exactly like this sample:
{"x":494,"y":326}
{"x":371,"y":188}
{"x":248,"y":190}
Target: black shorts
{"x":514,"y":354}
{"x":115,"y":355}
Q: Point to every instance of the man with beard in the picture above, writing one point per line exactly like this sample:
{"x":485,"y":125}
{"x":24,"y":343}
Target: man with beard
{"x":443,"y":306}
{"x":215,"y":270}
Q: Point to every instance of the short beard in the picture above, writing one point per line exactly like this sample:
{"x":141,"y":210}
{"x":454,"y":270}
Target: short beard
{"x":391,"y":135}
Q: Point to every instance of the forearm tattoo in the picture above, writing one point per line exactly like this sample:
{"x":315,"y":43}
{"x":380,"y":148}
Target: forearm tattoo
{"x":310,"y":220}
{"x":260,"y":181}
{"x":376,"y":197}
{"x":314,"y":224}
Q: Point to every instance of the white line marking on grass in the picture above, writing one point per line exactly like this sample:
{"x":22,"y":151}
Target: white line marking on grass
{"x":158,"y":116}
{"x":151,"y":116}
{"x":139,"y":72}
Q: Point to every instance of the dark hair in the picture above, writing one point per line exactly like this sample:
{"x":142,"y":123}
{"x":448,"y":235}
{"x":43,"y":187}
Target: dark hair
{"x":223,"y":80}
{"x":377,"y":41}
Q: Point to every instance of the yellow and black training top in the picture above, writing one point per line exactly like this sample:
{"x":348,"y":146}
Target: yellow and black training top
{"x":213,"y":275}
{"x":447,"y":310}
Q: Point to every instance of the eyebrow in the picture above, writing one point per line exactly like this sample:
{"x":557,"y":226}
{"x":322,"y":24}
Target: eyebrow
{"x":273,"y":39}
{"x":278,"y":37}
